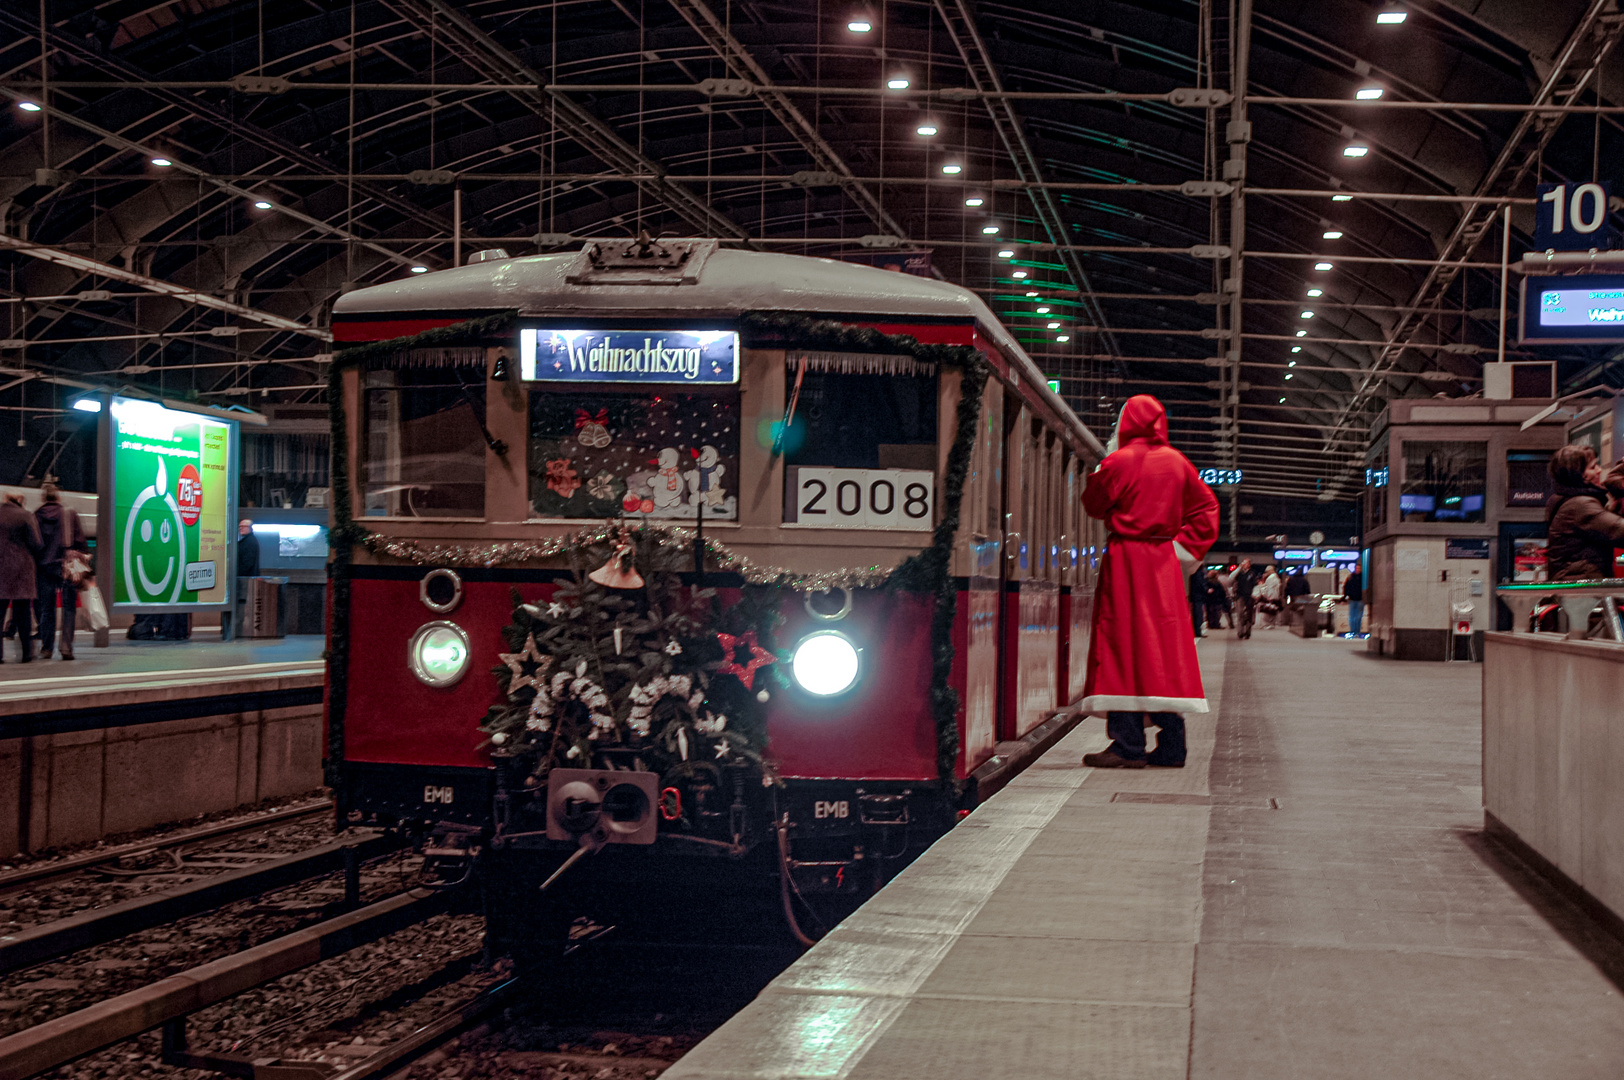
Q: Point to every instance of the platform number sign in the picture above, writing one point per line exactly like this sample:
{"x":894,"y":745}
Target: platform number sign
{"x":1573,"y":217}
{"x":890,"y":499}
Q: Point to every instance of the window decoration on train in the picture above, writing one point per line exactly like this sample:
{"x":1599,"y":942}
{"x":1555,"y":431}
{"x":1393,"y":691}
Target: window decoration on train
{"x":636,"y":453}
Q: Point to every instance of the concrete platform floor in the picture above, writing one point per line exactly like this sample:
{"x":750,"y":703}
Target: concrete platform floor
{"x":203,"y":652}
{"x":1311,"y":897}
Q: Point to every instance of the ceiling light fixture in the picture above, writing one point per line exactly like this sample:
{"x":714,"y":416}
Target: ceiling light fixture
{"x":1043,"y":311}
{"x":1302,"y":333}
{"x":1054,"y":326}
{"x":1316,"y":292}
{"x":28,"y":106}
{"x":859,"y":26}
{"x":1293,"y":363}
{"x":1295,"y":349}
{"x":989,"y":230}
{"x":952,"y":170}
{"x":420,"y":269}
{"x":927,"y":130}
{"x":1322,"y":266}
{"x":1006,"y":253}
{"x":162,"y":162}
{"x":262,"y":205}
{"x":1282,"y":401}
{"x":1288,"y":374}
{"x":1390,"y":18}
{"x":1306,"y":315}
{"x":974,"y":200}
{"x":1367,"y":93}
{"x":1355,"y":151}
{"x":1332,"y":234}
{"x":896,"y":84}
{"x":1017,"y":275}
{"x":1341,"y":198}
{"x":1063,"y":337}
{"x":1033,"y":293}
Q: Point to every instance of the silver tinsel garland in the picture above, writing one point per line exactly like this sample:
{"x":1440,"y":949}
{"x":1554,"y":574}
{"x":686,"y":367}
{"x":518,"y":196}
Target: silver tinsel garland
{"x":721,"y":557}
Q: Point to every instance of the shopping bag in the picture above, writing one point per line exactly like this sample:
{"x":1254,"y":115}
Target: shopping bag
{"x":94,"y":609}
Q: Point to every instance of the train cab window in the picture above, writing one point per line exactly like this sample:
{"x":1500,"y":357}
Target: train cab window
{"x":425,"y":444}
{"x":849,"y":418}
{"x":649,"y":452}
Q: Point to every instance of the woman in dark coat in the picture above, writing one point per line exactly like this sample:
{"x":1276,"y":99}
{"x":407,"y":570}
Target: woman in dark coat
{"x":1582,"y":526}
{"x":19,"y":556}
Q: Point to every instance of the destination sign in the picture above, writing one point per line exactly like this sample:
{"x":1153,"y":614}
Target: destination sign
{"x":692,"y":357}
{"x":1220,"y":477}
{"x":1576,"y":309}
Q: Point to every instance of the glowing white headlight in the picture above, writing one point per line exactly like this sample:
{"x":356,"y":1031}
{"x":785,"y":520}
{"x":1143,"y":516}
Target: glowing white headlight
{"x":438,"y":653}
{"x":825,"y":663}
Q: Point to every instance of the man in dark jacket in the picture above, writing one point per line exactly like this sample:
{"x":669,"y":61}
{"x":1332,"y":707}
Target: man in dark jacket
{"x":1246,"y":579}
{"x":1581,"y":527}
{"x":19,"y":551}
{"x":60,"y":532}
{"x":1297,"y":584}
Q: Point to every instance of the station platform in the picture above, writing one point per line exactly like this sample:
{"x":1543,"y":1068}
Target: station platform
{"x":144,"y":733}
{"x":1312,"y":896}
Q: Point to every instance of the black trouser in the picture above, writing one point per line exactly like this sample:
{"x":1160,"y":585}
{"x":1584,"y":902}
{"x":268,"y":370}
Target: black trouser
{"x":50,"y":587}
{"x":1215,"y":617}
{"x":1245,"y":615}
{"x":1197,"y":610}
{"x":22,"y":617}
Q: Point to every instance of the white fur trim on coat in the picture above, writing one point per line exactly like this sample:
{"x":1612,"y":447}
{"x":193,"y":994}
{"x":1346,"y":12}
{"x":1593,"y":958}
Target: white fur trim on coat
{"x":1100,"y":704}
{"x":1187,"y":562}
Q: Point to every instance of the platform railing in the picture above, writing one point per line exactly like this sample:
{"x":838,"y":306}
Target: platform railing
{"x":1578,"y":600}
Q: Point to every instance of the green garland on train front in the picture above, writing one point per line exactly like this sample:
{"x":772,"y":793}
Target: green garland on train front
{"x":928,"y":571}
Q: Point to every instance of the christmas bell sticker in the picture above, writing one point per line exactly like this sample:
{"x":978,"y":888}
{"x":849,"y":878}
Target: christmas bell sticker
{"x":619,"y":572}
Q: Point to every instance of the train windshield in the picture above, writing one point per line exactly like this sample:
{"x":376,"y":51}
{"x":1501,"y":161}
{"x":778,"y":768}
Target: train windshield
{"x":648,"y":451}
{"x":425,"y":448}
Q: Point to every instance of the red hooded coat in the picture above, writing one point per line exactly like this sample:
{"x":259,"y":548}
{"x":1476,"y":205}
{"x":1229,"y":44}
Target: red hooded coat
{"x":1141,"y":657}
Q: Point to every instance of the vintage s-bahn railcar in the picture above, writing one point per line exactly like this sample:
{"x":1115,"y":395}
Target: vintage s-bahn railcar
{"x":725,"y":563}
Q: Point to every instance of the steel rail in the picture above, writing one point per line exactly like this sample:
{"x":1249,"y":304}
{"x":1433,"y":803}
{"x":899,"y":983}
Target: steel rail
{"x":63,"y":867}
{"x":447,"y":1026}
{"x":48,"y":941}
{"x":32,"y":1051}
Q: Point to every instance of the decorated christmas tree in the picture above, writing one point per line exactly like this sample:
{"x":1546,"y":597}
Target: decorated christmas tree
{"x":627,"y":666}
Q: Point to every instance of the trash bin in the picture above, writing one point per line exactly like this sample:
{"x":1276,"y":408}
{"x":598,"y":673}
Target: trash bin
{"x":262,"y":607}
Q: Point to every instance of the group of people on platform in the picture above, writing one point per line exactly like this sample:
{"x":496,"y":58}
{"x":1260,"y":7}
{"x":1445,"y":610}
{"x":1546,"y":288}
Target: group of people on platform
{"x":44,"y":559}
{"x":1251,"y":597}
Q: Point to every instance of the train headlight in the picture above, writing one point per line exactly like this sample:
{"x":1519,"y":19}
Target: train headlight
{"x":825,"y":663}
{"x":438,"y":653}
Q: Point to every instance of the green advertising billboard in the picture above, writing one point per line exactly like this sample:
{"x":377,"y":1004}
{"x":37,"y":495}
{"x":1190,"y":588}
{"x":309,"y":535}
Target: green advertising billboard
{"x":173,"y":503}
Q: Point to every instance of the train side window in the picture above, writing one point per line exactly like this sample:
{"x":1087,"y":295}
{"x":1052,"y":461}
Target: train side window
{"x":425,"y":447}
{"x":846,"y":417}
{"x":649,"y":452}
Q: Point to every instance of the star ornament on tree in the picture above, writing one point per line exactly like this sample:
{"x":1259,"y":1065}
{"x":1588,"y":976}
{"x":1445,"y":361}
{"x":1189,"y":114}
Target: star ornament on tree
{"x":756,"y":657}
{"x":529,"y":666}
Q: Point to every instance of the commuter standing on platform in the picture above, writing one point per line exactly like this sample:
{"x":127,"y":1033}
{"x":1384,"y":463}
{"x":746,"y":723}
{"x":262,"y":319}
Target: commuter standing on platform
{"x":1217,"y":602}
{"x":1160,"y":520}
{"x":1198,"y":601}
{"x":1353,"y":591}
{"x":247,"y":549}
{"x":1246,"y":580}
{"x":60,"y":532}
{"x":19,"y":554}
{"x":1582,"y":528}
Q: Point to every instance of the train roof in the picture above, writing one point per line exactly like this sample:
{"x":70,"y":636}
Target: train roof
{"x":708,"y":281}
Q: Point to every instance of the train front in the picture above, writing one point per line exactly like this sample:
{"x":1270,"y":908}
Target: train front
{"x":632,"y":576}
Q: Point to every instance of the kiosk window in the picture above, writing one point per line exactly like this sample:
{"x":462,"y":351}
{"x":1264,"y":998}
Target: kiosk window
{"x":652,"y":452}
{"x":425,"y":443}
{"x":1443,"y":481}
{"x":1528,"y":477}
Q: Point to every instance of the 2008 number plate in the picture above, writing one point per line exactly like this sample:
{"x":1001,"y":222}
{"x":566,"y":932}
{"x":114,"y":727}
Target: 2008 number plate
{"x":891,"y":499}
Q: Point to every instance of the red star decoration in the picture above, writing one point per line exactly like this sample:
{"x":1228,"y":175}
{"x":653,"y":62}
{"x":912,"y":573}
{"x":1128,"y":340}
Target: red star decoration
{"x":746,"y":672}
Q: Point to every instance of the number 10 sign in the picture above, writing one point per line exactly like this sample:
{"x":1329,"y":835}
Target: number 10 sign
{"x":819,"y":498}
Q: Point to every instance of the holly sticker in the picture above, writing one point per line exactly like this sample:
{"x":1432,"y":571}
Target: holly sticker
{"x":189,"y":495}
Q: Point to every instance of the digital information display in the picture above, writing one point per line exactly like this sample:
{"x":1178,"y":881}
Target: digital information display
{"x":693,"y":357}
{"x":1573,"y":310}
{"x":1220,"y":477}
{"x":173,"y":502}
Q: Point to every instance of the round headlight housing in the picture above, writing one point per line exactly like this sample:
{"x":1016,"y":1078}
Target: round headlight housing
{"x":438,"y":653}
{"x":826,"y":663}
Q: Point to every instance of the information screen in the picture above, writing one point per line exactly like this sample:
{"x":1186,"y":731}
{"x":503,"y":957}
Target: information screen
{"x":1577,"y":309}
{"x":629,"y":356}
{"x":172,"y":505}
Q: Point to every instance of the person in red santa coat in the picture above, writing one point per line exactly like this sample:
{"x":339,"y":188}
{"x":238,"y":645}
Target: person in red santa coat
{"x":1141,"y":657}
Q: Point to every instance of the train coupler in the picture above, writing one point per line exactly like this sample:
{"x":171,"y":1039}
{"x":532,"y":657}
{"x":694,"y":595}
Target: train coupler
{"x":450,"y":851}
